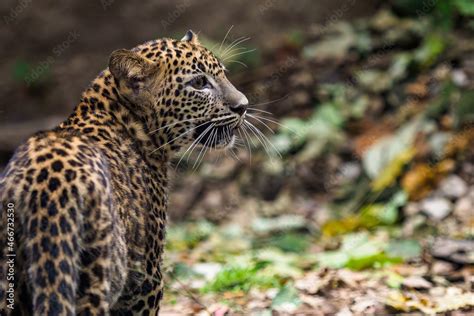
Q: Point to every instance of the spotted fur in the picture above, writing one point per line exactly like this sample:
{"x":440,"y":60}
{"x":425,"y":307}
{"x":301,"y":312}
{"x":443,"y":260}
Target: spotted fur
{"x":90,"y":196}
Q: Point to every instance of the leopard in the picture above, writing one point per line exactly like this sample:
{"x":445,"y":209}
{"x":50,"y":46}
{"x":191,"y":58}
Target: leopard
{"x":84,"y":204}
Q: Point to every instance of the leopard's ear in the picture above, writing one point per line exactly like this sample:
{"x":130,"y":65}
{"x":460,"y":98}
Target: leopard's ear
{"x":192,"y":37}
{"x":130,"y":68}
{"x":125,"y":64}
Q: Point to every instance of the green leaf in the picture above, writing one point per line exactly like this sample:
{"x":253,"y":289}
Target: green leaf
{"x":239,"y":278}
{"x":433,"y":46}
{"x":399,"y":69}
{"x":287,"y":297}
{"x":20,"y":70}
{"x":391,"y":212}
{"x":376,"y":81}
{"x":385,"y":214}
{"x":281,"y":223}
{"x":357,"y":252}
{"x":290,"y":242}
{"x":373,"y":261}
{"x":182,"y":271}
{"x":465,"y":7}
{"x":328,"y":114}
{"x":394,"y":280}
{"x":406,"y":249}
{"x":333,"y":259}
{"x":385,"y":151}
{"x":464,"y":110}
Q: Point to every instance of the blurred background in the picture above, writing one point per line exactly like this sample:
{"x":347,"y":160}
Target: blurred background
{"x":358,"y":199}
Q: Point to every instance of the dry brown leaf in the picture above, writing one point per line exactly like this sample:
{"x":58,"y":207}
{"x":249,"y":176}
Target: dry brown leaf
{"x":460,"y":142}
{"x":375,"y":132}
{"x":453,"y":298}
{"x":417,"y":89}
{"x":422,"y":178}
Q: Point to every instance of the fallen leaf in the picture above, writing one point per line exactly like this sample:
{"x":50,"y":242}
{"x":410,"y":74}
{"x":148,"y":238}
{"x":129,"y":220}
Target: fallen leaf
{"x":416,"y":282}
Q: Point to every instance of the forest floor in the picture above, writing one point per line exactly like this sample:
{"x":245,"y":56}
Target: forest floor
{"x":363,"y":202}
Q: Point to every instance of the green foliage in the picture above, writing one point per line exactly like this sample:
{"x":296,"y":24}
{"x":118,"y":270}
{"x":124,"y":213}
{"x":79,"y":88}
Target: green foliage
{"x":187,"y":236}
{"x":239,"y":278}
{"x":21,"y":70}
{"x":288,"y":297}
{"x":464,"y":110}
{"x":465,"y":7}
{"x":264,"y":225}
{"x":183,"y":271}
{"x":30,"y":75}
{"x":317,"y":134}
{"x":430,"y":50}
{"x":444,"y":13}
{"x":406,"y":249}
{"x":358,"y":251}
{"x":291,"y":242}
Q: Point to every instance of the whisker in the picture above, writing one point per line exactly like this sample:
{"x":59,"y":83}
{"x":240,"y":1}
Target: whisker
{"x":238,"y":62}
{"x":203,"y":151}
{"x":238,"y":54}
{"x":270,"y":102}
{"x":193,"y":145}
{"x":246,"y":141}
{"x":233,"y":154}
{"x":238,"y":41}
{"x":225,"y":37}
{"x":267,"y":150}
{"x":181,"y":135}
{"x":264,"y":137}
{"x":259,"y":110}
{"x":208,"y":147}
{"x":222,"y":53}
{"x":275,"y":122}
{"x":262,"y":122}
{"x":172,"y":124}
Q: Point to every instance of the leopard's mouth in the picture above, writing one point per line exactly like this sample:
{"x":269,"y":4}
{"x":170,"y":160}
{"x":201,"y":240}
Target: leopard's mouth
{"x":214,"y":136}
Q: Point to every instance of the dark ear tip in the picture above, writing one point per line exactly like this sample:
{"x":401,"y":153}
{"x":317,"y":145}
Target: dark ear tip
{"x":190,"y":36}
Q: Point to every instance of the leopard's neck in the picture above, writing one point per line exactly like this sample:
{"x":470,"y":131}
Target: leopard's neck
{"x":102,"y":112}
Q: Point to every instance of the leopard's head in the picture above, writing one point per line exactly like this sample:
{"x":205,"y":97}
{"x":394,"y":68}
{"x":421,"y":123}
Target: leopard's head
{"x":180,"y":89}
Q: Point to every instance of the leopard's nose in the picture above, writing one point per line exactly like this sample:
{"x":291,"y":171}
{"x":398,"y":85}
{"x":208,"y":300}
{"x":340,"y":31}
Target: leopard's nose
{"x":241,"y":106}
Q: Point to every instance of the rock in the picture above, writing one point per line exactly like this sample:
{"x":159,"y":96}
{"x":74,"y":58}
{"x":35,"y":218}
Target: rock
{"x":453,"y":187}
{"x":460,"y":78}
{"x":464,"y":209}
{"x":416,"y":282}
{"x":457,"y":251}
{"x":350,"y":171}
{"x":441,"y":268}
{"x":412,"y":208}
{"x":436,"y":208}
{"x":208,"y":270}
{"x":412,"y":224}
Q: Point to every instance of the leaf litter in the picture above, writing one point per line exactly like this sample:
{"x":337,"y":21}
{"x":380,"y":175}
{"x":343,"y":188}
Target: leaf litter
{"x":370,"y":210}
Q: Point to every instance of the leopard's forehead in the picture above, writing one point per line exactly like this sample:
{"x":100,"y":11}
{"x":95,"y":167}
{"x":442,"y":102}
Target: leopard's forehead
{"x":182,"y":56}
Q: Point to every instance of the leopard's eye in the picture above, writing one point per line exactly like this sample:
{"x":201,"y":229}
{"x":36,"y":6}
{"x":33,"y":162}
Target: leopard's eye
{"x":200,"y":83}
